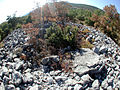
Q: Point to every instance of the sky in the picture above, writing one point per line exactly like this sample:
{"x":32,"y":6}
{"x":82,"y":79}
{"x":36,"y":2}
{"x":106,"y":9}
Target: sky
{"x":22,"y":7}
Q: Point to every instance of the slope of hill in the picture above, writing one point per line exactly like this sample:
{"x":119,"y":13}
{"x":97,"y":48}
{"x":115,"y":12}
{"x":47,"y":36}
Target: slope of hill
{"x":93,"y":73}
{"x":84,"y":6}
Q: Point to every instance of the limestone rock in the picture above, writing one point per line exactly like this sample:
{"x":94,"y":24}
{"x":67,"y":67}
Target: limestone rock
{"x":87,"y":62}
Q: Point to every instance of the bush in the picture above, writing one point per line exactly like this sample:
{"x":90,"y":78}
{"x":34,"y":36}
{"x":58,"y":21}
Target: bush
{"x":79,"y":17}
{"x":89,"y":22}
{"x":59,"y":38}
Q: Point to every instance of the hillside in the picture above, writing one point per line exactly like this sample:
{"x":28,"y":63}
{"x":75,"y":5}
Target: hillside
{"x":84,"y":6}
{"x":96,"y":72}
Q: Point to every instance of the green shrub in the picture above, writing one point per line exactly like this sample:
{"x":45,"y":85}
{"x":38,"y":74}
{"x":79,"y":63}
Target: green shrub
{"x":79,"y":17}
{"x":89,"y":22}
{"x":57,"y":37}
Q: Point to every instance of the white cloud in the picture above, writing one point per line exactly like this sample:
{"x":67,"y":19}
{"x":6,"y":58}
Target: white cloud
{"x":9,"y":7}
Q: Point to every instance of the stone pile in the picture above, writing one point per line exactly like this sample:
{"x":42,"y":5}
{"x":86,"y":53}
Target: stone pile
{"x":96,"y":69}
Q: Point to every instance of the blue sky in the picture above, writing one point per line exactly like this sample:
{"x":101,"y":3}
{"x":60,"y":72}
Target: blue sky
{"x":9,"y":7}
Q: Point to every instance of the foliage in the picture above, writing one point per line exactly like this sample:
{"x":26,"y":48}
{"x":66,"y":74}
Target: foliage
{"x":61,"y":38}
{"x":89,"y":22}
{"x":1,"y":44}
{"x":109,"y":22}
{"x":12,"y":23}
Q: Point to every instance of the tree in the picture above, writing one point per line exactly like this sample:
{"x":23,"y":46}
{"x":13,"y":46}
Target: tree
{"x":12,"y":20}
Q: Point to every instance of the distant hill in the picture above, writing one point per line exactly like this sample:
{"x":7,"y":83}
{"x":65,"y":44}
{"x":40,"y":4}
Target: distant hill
{"x":84,"y":6}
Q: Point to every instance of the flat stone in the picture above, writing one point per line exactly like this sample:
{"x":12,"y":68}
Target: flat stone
{"x":86,"y":62}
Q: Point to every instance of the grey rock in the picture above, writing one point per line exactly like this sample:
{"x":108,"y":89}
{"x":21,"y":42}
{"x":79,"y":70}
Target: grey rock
{"x":19,"y":65}
{"x":78,"y":87}
{"x":87,"y":62}
{"x":17,"y":59}
{"x":96,"y":84}
{"x":86,"y":78}
{"x":2,"y":87}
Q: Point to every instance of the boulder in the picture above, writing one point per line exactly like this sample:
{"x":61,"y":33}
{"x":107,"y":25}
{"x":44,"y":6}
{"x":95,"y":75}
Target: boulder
{"x":87,"y":62}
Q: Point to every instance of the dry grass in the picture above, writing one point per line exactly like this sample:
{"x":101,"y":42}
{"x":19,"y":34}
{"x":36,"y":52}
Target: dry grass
{"x":86,"y":44}
{"x":86,"y":31}
{"x":1,"y":44}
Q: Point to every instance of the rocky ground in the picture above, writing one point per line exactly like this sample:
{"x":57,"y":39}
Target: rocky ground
{"x":93,"y":69}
